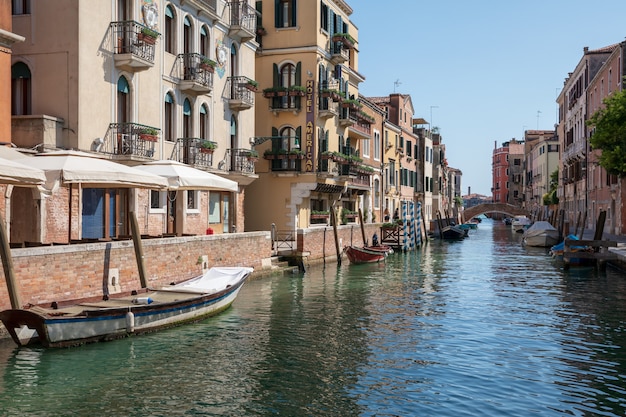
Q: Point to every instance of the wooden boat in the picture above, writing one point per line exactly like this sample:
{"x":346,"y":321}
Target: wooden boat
{"x":557,"y":251}
{"x":74,"y":323}
{"x":366,"y":254}
{"x":541,"y":234}
{"x":453,"y":232}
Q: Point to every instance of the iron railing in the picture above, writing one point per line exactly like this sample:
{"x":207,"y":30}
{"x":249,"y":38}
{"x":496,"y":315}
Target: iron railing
{"x":239,"y":160}
{"x":131,"y":37}
{"x":243,"y":15}
{"x":242,"y":88}
{"x":131,"y":139}
{"x":190,"y":151}
{"x":191,"y":67}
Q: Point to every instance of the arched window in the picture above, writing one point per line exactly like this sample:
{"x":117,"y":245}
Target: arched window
{"x":168,"y":115}
{"x":204,"y":122}
{"x":187,"y":35}
{"x":170,"y":29}
{"x":123,"y":100}
{"x":376,"y":193}
{"x":187,"y":122}
{"x":233,"y":60}
{"x":205,"y":41}
{"x":20,"y":89}
{"x":287,"y":76}
{"x":233,"y":132}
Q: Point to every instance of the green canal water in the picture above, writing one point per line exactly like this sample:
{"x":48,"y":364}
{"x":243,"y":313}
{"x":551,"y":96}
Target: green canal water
{"x":480,"y":327}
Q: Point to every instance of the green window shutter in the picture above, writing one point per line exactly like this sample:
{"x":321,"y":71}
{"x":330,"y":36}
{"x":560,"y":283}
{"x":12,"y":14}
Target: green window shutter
{"x":294,"y":12}
{"x":276,"y":76}
{"x":298,"y":136}
{"x":277,"y":14}
{"x":331,"y":22}
{"x":275,"y":139}
{"x":259,"y":8}
{"x":299,"y":73}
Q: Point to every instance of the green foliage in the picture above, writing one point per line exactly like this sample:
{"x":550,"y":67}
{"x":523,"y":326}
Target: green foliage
{"x":609,"y":133}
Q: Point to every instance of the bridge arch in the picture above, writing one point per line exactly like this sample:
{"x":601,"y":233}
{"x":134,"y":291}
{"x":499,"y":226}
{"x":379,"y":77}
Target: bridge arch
{"x":494,"y":208}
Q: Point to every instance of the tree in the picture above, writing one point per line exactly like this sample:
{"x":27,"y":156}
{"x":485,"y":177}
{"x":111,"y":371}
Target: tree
{"x":609,"y":133}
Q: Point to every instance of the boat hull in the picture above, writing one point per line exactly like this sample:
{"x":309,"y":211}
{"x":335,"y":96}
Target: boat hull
{"x":368,"y":254}
{"x":115,"y":318}
{"x":543,"y":240}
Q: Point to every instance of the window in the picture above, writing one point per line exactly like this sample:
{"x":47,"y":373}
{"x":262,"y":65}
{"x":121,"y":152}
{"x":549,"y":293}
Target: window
{"x":285,"y":13}
{"x":204,"y":41}
{"x":324,"y":17}
{"x":287,"y":76}
{"x":376,"y":145}
{"x":365,"y":147}
{"x":157,"y":200}
{"x":193,"y":201}
{"x":168,"y":130}
{"x":123,"y":100}
{"x":377,"y":193}
{"x":392,"y":172}
{"x":187,"y":125}
{"x":187,"y":35}
{"x":204,"y":121}
{"x":170,"y":29}
{"x":214,"y":208}
{"x":20,"y":89}
{"x":21,"y":7}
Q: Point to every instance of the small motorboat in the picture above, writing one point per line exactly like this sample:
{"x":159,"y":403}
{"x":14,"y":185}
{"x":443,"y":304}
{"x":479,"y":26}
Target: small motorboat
{"x":541,"y":234}
{"x":520,"y":223}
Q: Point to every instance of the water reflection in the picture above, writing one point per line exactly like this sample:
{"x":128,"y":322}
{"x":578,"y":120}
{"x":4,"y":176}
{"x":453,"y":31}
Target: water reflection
{"x":483,"y":326}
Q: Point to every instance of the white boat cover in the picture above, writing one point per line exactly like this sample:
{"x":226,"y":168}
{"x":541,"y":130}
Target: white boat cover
{"x":539,"y":228}
{"x":214,"y":280}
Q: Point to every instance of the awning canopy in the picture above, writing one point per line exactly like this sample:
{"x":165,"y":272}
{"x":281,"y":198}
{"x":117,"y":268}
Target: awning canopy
{"x":12,"y":172}
{"x":184,"y":177}
{"x":74,"y":167}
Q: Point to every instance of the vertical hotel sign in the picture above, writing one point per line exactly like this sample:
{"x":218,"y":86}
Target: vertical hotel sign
{"x":309,"y":132}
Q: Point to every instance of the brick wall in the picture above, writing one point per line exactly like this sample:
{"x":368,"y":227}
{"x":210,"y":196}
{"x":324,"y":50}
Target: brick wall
{"x":46,"y":274}
{"x":319,"y":242}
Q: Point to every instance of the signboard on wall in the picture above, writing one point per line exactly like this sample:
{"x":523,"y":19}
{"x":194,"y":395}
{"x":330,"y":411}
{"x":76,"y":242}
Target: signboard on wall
{"x":309,"y":131}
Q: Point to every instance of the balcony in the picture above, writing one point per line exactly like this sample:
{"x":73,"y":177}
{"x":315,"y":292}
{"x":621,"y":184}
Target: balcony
{"x":338,"y":54}
{"x":327,"y":108}
{"x":195,"y":73}
{"x":206,"y":7}
{"x":241,"y":92}
{"x":133,"y":45}
{"x":191,"y":151}
{"x":360,"y":127}
{"x":243,"y":19}
{"x":286,"y":103}
{"x":130,"y":141}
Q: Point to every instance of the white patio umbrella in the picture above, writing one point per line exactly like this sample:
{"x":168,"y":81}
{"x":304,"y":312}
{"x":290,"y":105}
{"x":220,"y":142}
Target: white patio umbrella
{"x":184,"y":177}
{"x":75,"y":167}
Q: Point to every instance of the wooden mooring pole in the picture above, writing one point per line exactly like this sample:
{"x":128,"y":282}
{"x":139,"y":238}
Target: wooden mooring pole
{"x":7,"y":265}
{"x":138,"y":250}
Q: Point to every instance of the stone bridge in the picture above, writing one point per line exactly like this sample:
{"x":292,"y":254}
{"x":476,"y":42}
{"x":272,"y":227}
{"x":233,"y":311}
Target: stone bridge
{"x":494,"y":208}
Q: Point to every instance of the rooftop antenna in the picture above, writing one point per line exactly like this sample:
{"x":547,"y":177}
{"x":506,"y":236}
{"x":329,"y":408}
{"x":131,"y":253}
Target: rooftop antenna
{"x":395,"y":84}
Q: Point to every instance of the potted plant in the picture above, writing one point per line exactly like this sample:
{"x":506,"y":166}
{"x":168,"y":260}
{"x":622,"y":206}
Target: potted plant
{"x":297,"y":90}
{"x":251,"y":85}
{"x":149,"y":133}
{"x":345,"y":38}
{"x":148,"y":35}
{"x":276,"y":91}
{"x":282,"y":153}
{"x":260,"y":30}
{"x":319,"y":214}
{"x":252,"y":155}
{"x":351,"y":104}
{"x":296,"y":154}
{"x":206,"y":146}
{"x":269,"y":154}
{"x":207,"y":64}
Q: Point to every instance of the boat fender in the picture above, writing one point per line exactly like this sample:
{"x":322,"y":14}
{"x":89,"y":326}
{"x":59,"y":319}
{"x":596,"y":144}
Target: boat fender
{"x":130,"y":322}
{"x":142,"y":300}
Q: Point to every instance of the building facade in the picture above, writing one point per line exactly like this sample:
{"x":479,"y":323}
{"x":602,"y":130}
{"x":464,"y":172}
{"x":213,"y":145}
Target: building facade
{"x":136,"y":81}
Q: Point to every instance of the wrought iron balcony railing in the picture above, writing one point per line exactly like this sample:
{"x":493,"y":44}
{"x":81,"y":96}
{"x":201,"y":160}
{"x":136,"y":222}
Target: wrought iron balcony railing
{"x":241,"y":92}
{"x":133,"y":44}
{"x":131,"y":139}
{"x":243,"y":20}
{"x":195,"y":72}
{"x":194,"y":152}
{"x":239,"y":160}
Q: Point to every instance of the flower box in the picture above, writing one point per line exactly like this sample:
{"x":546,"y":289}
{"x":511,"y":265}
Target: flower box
{"x":148,"y":137}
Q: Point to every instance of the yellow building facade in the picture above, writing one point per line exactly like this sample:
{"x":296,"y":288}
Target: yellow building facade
{"x":311,"y":127}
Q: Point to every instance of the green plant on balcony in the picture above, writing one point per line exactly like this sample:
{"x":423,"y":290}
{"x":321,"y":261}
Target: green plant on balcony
{"x":207,"y":64}
{"x":296,"y":154}
{"x":206,"y":146}
{"x":333,"y":94}
{"x":148,"y":35}
{"x":269,"y":154}
{"x":251,"y":85}
{"x":353,"y":159}
{"x":149,"y":133}
{"x":345,"y":38}
{"x":275,"y":91}
{"x":297,"y":90}
{"x":252,"y":155}
{"x":351,"y":103}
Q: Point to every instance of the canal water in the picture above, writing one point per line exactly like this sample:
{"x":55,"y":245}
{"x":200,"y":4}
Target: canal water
{"x":480,"y":327}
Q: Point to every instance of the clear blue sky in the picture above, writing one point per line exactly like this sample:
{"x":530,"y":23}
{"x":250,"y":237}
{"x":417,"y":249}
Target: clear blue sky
{"x":489,"y":66}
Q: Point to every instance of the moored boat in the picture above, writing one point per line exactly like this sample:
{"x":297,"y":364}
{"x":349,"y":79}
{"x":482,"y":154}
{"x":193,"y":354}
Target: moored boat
{"x":367,"y":254}
{"x":520,"y":223}
{"x":541,"y":234}
{"x":83,"y":321}
{"x":453,"y":233}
